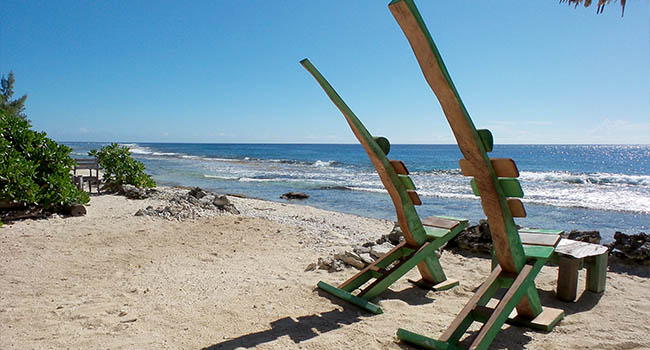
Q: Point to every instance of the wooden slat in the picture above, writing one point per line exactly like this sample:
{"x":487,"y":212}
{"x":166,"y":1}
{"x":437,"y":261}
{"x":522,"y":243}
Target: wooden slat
{"x":486,"y":138}
{"x":510,"y":187}
{"x":471,"y":305}
{"x":492,"y":326}
{"x":399,"y":166}
{"x":539,"y":239}
{"x":436,"y":221}
{"x":414,"y":197}
{"x":503,"y":167}
{"x":567,"y":278}
{"x":407,"y":182}
{"x":517,"y":209}
{"x":578,"y":249}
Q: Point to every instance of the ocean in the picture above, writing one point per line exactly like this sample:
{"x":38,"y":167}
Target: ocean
{"x":584,"y":187}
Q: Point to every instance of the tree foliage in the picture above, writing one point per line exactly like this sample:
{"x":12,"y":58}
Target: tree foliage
{"x":34,"y":170}
{"x":12,"y":107}
{"x":119,"y":168}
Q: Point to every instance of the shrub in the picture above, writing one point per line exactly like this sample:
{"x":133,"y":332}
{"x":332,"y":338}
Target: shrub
{"x":34,"y":170}
{"x":120,"y":168}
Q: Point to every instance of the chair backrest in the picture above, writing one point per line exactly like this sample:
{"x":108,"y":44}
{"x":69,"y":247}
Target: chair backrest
{"x":393,"y":174}
{"x":474,"y":144}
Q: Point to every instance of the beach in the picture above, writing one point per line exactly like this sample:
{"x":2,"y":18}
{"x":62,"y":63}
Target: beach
{"x":113,"y":280}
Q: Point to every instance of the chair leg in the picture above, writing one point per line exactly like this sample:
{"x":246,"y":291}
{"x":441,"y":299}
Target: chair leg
{"x":596,"y":273}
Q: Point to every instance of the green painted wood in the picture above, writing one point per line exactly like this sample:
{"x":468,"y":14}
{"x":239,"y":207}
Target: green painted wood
{"x":486,"y":138}
{"x":435,"y":232}
{"x":383,"y":143}
{"x":538,"y":252}
{"x":433,"y":264}
{"x":422,"y":341}
{"x":428,"y":249}
{"x":505,"y":306}
{"x":376,"y":153}
{"x":596,"y":273}
{"x":510,"y":185}
{"x":341,"y":294}
{"x":407,"y":182}
{"x":472,"y":147}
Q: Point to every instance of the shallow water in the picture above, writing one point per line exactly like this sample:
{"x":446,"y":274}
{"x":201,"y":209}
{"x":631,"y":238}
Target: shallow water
{"x":585,"y":187}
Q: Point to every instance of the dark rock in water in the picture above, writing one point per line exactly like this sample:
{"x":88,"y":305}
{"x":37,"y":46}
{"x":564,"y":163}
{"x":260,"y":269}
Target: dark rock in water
{"x":294,"y":195}
{"x":132,"y":192}
{"x":474,"y":238}
{"x":584,"y":236}
{"x":197,"y":192}
{"x":634,"y":248}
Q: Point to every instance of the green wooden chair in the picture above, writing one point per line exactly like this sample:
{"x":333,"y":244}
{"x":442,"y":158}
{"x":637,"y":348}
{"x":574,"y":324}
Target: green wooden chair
{"x":495,"y":181}
{"x":421,"y":238}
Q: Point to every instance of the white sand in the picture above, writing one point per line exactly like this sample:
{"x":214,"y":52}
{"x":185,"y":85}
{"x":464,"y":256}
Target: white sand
{"x":111,"y":280}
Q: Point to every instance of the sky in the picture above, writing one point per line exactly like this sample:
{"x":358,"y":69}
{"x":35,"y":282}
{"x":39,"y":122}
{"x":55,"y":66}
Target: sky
{"x":228,"y":71}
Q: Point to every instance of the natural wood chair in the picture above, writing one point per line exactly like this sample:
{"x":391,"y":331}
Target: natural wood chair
{"x":495,"y":181}
{"x":421,"y":238}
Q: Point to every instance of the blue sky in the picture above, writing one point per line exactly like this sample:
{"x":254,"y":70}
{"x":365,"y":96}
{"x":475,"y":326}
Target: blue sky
{"x":228,"y":71}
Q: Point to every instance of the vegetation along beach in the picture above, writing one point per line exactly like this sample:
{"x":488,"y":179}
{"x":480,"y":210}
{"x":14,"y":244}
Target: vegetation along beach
{"x":469,"y":175}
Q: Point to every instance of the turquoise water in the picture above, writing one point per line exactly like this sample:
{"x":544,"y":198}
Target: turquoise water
{"x":586,"y":187}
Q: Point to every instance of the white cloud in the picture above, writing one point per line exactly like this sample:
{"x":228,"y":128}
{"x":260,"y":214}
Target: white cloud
{"x":619,"y":131}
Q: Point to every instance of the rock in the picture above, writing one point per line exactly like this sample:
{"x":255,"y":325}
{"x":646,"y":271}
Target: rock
{"x":366,"y":258}
{"x":474,"y":238}
{"x":362,"y":249}
{"x":352,"y":259}
{"x":294,"y":195}
{"x":197,"y":192}
{"x":380,"y":250}
{"x":132,"y":192}
{"x":325,"y":264}
{"x":193,"y":200}
{"x":585,"y":236}
{"x":77,"y":210}
{"x":141,"y":212}
{"x":396,"y":235}
{"x":634,"y":248}
{"x":222,"y":203}
{"x":311,"y":267}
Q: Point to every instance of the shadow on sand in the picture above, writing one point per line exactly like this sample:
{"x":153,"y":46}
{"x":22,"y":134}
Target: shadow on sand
{"x":298,"y":329}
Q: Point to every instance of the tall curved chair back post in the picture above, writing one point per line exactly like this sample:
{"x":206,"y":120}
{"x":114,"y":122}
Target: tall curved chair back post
{"x":494,"y":181}
{"x":420,"y":240}
{"x":506,"y":240}
{"x":407,"y":216}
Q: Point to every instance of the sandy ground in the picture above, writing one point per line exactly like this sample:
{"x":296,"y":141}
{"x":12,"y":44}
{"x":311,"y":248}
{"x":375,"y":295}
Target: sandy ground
{"x":111,"y":280}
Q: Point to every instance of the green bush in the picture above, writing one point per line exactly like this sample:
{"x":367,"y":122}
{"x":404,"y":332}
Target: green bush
{"x":34,"y":170}
{"x":120,"y":168}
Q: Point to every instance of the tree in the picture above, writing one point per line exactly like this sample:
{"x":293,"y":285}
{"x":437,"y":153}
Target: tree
{"x":34,"y":170}
{"x":15,"y":107}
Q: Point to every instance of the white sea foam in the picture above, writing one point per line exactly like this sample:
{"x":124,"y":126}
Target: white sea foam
{"x":230,"y":178}
{"x":321,"y":163}
{"x":595,"y":178}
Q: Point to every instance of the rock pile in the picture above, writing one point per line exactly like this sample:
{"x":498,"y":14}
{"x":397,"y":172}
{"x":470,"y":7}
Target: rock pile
{"x":361,"y":255}
{"x":475,"y":238}
{"x":631,"y":248}
{"x":584,"y":236}
{"x":132,"y":192}
{"x":191,"y":205}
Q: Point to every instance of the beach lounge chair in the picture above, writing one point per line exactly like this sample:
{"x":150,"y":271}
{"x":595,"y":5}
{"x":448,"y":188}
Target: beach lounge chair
{"x":421,"y":238}
{"x":495,"y":181}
